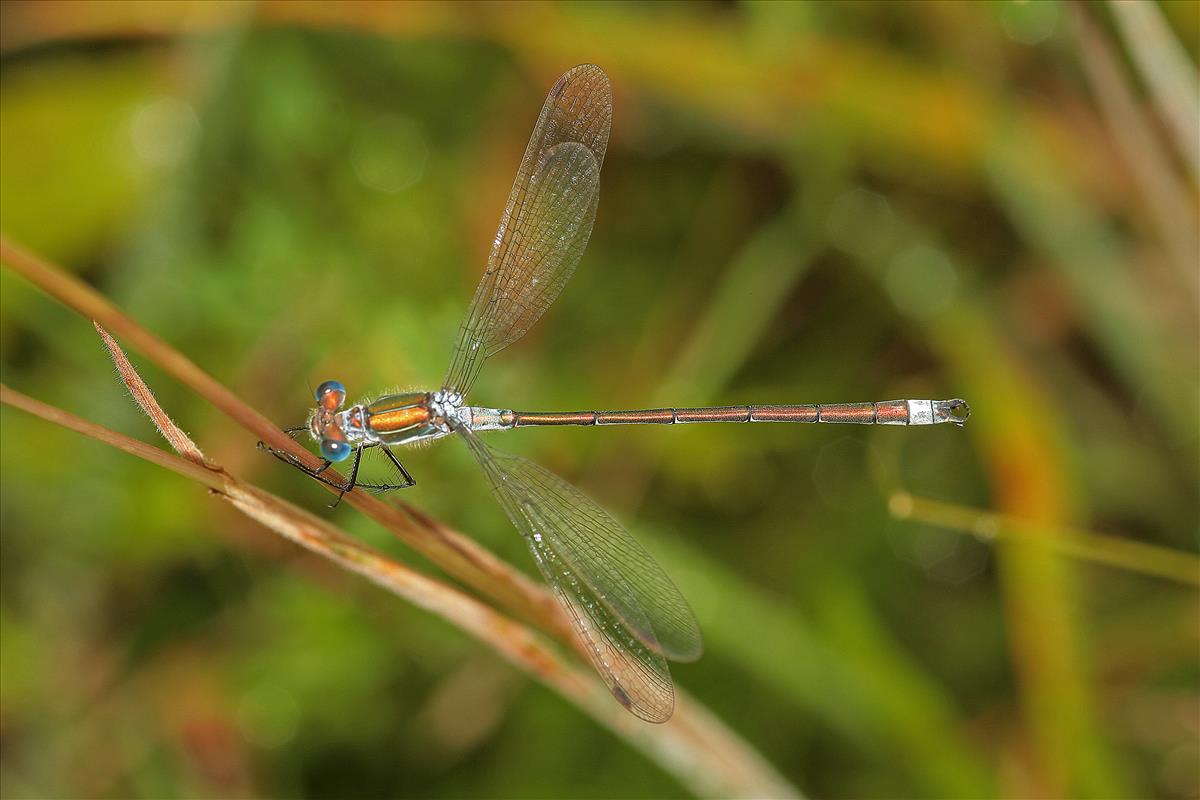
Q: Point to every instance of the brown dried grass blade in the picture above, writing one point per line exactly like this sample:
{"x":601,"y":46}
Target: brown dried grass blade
{"x":180,"y":441}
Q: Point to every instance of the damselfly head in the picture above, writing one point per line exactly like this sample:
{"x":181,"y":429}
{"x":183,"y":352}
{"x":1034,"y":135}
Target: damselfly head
{"x":325,"y":422}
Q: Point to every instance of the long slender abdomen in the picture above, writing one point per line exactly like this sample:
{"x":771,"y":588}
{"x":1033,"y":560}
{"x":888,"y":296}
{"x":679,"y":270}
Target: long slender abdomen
{"x":888,"y":412}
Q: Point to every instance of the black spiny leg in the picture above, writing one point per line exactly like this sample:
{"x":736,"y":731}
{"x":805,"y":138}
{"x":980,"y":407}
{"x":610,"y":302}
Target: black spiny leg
{"x":353,"y":476}
{"x":382,"y":487}
{"x":351,"y":483}
{"x":291,"y":460}
{"x":408,"y":479}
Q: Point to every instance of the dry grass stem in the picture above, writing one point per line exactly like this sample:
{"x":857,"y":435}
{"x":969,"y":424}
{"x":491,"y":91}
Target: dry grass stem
{"x":154,"y":455}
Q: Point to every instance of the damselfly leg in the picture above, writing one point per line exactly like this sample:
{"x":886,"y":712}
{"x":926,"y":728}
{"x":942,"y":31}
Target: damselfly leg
{"x":404,"y":479}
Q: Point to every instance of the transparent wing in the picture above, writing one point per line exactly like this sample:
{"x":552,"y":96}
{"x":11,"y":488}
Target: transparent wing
{"x":545,"y":225}
{"x":623,"y":606}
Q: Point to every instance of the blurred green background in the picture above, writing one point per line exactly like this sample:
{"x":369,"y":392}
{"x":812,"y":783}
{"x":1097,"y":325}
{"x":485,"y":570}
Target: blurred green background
{"x":800,"y":203}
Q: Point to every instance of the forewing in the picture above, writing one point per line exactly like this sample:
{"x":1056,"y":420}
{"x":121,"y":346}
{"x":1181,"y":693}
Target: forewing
{"x":623,"y":606}
{"x":546,"y":222}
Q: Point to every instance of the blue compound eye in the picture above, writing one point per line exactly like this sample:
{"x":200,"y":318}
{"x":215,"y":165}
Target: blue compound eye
{"x":331,"y":386}
{"x":335,"y":450}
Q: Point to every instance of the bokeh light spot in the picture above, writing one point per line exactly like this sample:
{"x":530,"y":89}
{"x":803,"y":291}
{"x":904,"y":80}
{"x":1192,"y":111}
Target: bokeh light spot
{"x":930,"y":547}
{"x":839,"y":470}
{"x":861,"y":222}
{"x":163,"y":131}
{"x":388,"y":153}
{"x":921,"y":281}
{"x":269,"y":716}
{"x":1029,"y":22}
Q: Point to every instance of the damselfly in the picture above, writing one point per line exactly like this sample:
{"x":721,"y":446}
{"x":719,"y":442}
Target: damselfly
{"x":625,"y":609}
